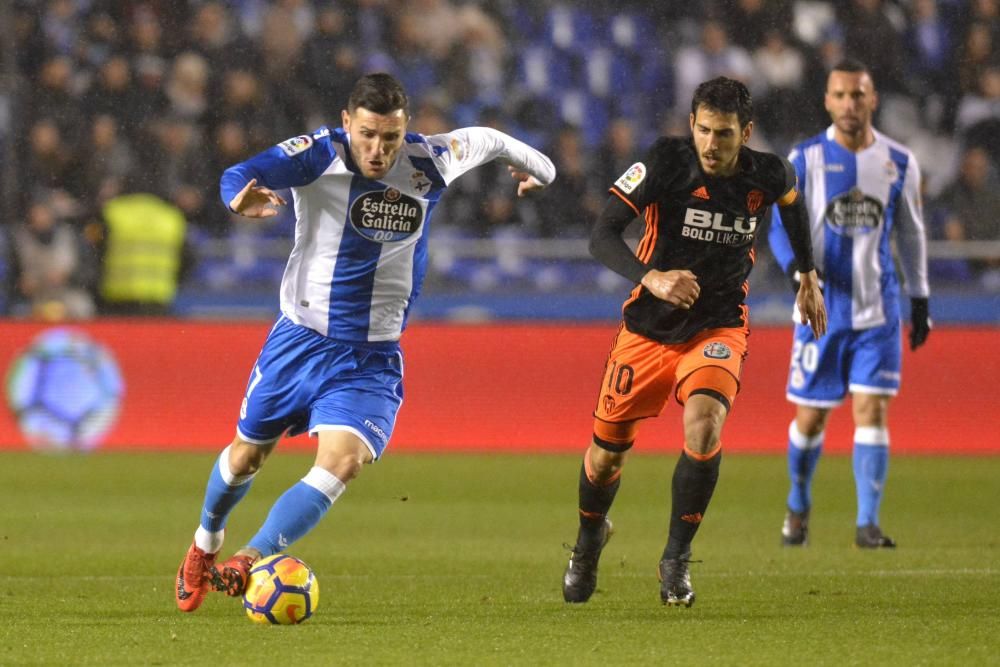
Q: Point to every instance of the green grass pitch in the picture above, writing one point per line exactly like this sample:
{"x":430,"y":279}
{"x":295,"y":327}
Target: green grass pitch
{"x":457,"y":559}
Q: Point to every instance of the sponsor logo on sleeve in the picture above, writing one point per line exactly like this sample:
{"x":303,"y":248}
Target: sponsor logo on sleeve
{"x":296,"y":145}
{"x":631,"y":179}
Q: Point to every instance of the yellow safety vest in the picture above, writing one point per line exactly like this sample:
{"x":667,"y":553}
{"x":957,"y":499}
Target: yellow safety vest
{"x":143,"y":252}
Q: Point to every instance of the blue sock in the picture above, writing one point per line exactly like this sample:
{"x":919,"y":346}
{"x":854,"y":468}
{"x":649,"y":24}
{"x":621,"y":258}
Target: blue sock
{"x":803,"y":455}
{"x":297,"y":511}
{"x":871,"y":463}
{"x":223,"y":492}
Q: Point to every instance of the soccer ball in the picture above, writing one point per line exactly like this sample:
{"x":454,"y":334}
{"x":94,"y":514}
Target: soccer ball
{"x":65,"y":391}
{"x":281,"y":590}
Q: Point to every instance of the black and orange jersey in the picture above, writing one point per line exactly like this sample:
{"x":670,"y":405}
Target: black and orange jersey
{"x":702,"y":223}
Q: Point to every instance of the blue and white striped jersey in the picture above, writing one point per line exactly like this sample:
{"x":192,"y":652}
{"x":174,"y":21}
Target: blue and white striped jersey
{"x":856,"y":201}
{"x":360,"y":250}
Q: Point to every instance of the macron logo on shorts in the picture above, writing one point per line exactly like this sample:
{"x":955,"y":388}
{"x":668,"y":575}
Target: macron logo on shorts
{"x":374,"y":428}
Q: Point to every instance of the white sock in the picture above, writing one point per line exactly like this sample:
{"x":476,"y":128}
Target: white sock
{"x":207,"y":541}
{"x":325,"y":482}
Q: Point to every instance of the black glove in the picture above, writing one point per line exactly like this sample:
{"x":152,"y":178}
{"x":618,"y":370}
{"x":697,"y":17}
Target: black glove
{"x":920,"y":322}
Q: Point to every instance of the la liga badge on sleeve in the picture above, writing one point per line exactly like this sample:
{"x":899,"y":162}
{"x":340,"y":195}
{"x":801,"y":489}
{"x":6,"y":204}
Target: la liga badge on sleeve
{"x":631,"y":179}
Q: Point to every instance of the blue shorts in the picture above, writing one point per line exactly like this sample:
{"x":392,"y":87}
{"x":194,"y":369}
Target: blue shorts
{"x":305,"y":381}
{"x":866,"y":361}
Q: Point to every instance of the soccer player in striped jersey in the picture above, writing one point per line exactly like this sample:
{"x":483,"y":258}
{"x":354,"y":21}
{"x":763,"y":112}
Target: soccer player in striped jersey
{"x":685,"y":324}
{"x":332,"y":365}
{"x":860,"y":188}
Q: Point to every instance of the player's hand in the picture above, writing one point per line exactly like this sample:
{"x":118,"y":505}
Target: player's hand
{"x":920,"y":322}
{"x":795,"y":280}
{"x":678,"y":287}
{"x":526,"y":182}
{"x":809,"y":301}
{"x":255,"y":201}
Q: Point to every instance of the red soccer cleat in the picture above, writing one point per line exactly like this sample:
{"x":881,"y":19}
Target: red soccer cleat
{"x":192,"y":578}
{"x":230,"y":576}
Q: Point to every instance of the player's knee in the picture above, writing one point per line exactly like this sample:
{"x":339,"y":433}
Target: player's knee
{"x":602,"y":464}
{"x":871,"y":410}
{"x":246,"y":458}
{"x":342,"y":454}
{"x":344,"y":464}
{"x":345,"y":468}
{"x":811,"y":421}
{"x":703,"y":420}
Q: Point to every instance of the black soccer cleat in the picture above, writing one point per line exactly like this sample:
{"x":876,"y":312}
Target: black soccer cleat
{"x":871,"y":537}
{"x":795,"y":530}
{"x":675,"y":582}
{"x":580,"y":578}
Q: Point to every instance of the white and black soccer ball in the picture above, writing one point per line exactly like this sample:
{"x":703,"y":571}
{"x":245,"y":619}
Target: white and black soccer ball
{"x":65,"y":391}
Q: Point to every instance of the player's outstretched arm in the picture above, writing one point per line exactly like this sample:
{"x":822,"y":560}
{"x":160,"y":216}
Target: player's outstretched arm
{"x":809,"y":300}
{"x":469,"y":147}
{"x":255,"y":201}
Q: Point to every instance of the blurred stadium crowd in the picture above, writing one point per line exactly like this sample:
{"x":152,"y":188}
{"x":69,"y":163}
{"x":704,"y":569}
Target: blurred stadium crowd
{"x":105,"y":99}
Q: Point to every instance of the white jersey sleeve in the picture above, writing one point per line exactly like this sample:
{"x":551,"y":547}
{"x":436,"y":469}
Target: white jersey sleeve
{"x":469,"y":147}
{"x":911,"y":239}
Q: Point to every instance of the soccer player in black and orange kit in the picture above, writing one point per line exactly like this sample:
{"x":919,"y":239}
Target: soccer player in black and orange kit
{"x":685,"y":324}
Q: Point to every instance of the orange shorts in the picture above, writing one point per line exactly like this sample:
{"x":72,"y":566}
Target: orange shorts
{"x":641,"y":373}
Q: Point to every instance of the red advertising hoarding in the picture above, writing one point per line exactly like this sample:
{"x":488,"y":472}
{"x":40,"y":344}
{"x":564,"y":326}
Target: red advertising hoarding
{"x":512,"y":388}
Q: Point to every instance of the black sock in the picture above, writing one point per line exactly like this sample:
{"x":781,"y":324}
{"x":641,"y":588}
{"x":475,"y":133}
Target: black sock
{"x":693,"y":484}
{"x":595,"y":501}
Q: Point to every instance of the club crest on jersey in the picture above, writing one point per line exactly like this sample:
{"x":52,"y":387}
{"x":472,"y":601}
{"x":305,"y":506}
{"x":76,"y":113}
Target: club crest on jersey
{"x":854,"y":213}
{"x":296,"y":145}
{"x":891,"y":170}
{"x":717,"y":351}
{"x":386,"y":216}
{"x":755,"y":198}
{"x":631,"y":179}
{"x":420,"y":182}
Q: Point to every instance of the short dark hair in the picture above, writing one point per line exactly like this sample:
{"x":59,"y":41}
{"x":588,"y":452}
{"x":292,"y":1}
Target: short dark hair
{"x":852,"y":65}
{"x":380,"y":93}
{"x":725,"y":95}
